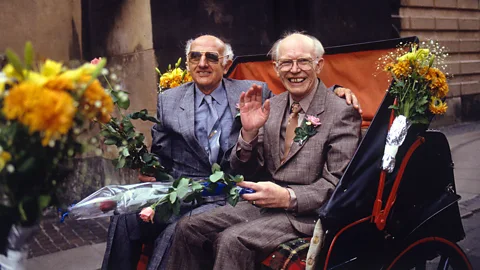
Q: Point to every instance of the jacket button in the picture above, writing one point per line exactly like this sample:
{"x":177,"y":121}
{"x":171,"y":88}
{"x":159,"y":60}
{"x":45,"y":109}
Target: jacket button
{"x":316,"y":240}
{"x":310,"y":261}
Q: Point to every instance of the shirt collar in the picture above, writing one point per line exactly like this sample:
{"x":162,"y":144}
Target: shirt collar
{"x":306,"y":101}
{"x":219,"y":94}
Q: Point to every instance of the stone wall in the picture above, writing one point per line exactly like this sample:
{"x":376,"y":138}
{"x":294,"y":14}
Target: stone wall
{"x":53,"y":26}
{"x":456,"y":24}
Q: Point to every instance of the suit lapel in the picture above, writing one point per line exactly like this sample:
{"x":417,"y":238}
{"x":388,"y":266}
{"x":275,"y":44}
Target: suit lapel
{"x":187,"y":120}
{"x":317,"y":107}
{"x":276,"y":115}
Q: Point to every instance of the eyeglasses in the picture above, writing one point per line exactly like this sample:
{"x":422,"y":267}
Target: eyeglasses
{"x":212,"y":57}
{"x":304,"y":64}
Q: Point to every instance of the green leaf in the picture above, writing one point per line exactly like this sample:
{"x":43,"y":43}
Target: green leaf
{"x":152,"y":119}
{"x":28,"y":55}
{"x":182,"y":188}
{"x":238,"y":178}
{"x":21,"y":211}
{"x":121,"y":162}
{"x":216,"y":167}
{"x":123,"y":104}
{"x":216,"y":176}
{"x":173,"y":197}
{"x":110,"y":141}
{"x":163,"y":212}
{"x":125,"y":152}
{"x":15,"y":62}
{"x":196,"y":186}
{"x":158,"y":71}
{"x":43,"y":201}
{"x":176,"y":207}
{"x":233,"y":199}
{"x":147,"y":157}
{"x":27,"y":165}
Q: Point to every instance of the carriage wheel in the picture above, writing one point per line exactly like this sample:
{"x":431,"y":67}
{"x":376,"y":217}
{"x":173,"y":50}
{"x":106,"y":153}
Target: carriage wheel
{"x":431,"y":253}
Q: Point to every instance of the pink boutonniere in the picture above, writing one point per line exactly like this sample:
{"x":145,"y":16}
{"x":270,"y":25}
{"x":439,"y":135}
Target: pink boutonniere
{"x":307,"y":129}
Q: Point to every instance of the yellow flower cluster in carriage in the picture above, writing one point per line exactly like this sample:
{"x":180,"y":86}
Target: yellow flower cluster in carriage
{"x":419,"y":80}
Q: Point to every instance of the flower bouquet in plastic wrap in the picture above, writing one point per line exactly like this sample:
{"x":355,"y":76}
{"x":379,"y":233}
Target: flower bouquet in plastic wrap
{"x":419,"y":85}
{"x":163,"y":198}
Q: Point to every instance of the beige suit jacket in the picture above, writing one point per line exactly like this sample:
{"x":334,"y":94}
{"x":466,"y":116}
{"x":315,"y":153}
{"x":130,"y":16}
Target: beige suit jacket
{"x":314,"y":168}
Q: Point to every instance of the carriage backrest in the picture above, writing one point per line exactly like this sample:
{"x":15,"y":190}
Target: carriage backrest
{"x":353,"y":66}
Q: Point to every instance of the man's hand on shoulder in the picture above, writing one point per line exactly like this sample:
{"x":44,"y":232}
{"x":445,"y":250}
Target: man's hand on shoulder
{"x":349,"y":97}
{"x":146,"y":178}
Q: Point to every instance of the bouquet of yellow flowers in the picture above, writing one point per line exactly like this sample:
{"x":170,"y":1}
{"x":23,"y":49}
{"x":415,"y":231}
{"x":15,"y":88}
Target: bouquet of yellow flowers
{"x":173,"y":77}
{"x":419,"y":86}
{"x":45,"y":111}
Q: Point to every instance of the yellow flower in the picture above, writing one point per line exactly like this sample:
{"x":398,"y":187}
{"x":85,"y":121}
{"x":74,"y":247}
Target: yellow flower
{"x":437,"y":82}
{"x":437,"y":106}
{"x":10,"y":71}
{"x":50,"y":68}
{"x":72,"y":75}
{"x":174,"y":84}
{"x":5,"y":157}
{"x":40,"y":109}
{"x":187,"y":78}
{"x":35,"y":78}
{"x":96,"y":102}
{"x":400,"y":69}
{"x":60,"y":83}
{"x":415,"y":55}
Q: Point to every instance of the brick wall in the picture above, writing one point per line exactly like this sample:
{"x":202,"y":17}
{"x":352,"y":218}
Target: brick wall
{"x":456,"y":24}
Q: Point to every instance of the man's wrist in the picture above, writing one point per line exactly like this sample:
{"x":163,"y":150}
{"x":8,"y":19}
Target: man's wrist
{"x":248,"y":136}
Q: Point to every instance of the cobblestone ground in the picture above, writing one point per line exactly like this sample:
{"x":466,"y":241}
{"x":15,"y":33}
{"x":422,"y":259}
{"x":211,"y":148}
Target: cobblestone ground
{"x":53,"y":236}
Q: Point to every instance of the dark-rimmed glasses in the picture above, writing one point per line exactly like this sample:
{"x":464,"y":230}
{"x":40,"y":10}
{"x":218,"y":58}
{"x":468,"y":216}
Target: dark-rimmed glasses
{"x":212,"y":57}
{"x":304,"y":64}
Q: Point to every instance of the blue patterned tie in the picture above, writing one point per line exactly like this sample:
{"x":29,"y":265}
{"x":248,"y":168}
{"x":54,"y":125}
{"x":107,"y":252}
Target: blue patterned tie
{"x":213,"y":130}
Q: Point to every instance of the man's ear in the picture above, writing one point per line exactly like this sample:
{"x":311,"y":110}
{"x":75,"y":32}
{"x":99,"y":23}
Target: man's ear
{"x":186,"y":66}
{"x":275,"y":68}
{"x":227,"y":66}
{"x":319,"y":65}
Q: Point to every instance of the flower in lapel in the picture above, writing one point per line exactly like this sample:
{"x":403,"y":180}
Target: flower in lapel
{"x":307,"y":129}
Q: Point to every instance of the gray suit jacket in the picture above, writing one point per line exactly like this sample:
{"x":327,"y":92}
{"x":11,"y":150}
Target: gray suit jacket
{"x":174,"y":141}
{"x":313,"y":169}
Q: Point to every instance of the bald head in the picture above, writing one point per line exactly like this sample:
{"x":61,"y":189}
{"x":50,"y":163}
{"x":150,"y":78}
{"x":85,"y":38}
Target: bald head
{"x":307,"y":42}
{"x":223,"y":48}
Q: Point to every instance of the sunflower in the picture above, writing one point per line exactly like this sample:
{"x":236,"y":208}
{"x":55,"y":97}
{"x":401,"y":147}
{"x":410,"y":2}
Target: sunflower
{"x":437,"y":106}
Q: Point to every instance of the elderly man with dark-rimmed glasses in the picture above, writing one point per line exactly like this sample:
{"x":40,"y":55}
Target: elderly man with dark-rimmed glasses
{"x":197,"y":128}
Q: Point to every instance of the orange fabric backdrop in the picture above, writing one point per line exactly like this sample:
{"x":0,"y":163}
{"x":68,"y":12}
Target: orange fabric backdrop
{"x":356,"y":71}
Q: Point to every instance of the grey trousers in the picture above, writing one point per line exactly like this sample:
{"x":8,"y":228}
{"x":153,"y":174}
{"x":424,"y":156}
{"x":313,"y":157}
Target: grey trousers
{"x":127,"y":233}
{"x":229,"y":238}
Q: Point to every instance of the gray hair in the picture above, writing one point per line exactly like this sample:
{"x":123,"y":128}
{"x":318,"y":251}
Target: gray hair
{"x":317,"y":45}
{"x":227,"y":52}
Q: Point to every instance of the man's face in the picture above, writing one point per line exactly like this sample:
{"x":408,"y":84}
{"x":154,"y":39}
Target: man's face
{"x":205,"y":63}
{"x":297,"y":65}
